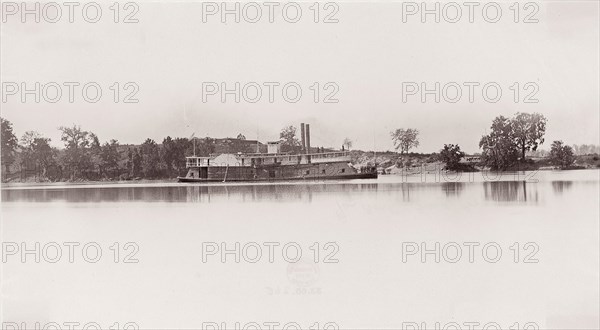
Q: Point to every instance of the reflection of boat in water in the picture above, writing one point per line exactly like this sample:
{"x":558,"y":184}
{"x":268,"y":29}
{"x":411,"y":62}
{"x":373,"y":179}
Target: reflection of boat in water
{"x":276,"y":165}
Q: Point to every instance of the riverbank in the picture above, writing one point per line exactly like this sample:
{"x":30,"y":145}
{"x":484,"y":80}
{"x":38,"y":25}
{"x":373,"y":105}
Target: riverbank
{"x":83,"y":183}
{"x":388,"y":163}
{"x":393,"y":163}
{"x":398,"y":176}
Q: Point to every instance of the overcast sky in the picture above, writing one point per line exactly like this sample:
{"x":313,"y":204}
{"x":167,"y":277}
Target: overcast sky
{"x":369,"y":53}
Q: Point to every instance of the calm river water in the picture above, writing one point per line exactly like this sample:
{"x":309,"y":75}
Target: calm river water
{"x":522,"y":248}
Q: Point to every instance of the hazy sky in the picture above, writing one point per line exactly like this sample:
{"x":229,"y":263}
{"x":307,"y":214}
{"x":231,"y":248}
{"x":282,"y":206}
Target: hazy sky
{"x":369,"y":53}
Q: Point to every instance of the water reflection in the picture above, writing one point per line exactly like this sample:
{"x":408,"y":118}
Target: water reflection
{"x":185,"y":193}
{"x":561,"y":186}
{"x":510,"y":191}
{"x":453,"y":189}
{"x":405,"y":192}
{"x":208,"y":194}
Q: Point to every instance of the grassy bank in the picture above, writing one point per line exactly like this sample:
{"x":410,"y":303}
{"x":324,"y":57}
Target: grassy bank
{"x":413,"y":162}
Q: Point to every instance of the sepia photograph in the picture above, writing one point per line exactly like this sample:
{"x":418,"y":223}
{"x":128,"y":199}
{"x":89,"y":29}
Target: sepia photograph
{"x":315,"y":165}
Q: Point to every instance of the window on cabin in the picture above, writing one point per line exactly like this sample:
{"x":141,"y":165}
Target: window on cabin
{"x":343,"y":170}
{"x":308,"y":172}
{"x":323,"y":171}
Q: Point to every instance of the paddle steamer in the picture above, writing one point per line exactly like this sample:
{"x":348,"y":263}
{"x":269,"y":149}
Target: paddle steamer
{"x":276,"y":165}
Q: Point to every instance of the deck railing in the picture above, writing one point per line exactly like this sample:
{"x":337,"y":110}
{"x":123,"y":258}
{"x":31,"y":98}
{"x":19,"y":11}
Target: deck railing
{"x":247,"y":159}
{"x":197,"y":161}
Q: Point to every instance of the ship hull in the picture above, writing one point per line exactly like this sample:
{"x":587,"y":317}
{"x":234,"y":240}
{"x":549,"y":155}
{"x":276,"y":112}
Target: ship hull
{"x":312,"y":178}
{"x":321,"y":171}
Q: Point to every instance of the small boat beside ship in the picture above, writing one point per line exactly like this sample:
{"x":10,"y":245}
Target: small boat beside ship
{"x":276,"y":165}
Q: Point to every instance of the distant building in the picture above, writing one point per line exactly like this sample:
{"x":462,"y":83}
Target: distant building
{"x":470,"y":160}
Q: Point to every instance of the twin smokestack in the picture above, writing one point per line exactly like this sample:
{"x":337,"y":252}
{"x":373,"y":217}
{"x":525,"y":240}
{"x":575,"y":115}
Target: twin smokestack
{"x":305,"y":136}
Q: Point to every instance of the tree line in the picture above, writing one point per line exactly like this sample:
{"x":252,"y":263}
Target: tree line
{"x":504,"y":147}
{"x":85,"y":158}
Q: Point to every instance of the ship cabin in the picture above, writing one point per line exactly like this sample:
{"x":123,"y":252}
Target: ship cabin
{"x":273,"y":159}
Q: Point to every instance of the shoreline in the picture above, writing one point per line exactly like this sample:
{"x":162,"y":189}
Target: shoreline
{"x":12,"y":185}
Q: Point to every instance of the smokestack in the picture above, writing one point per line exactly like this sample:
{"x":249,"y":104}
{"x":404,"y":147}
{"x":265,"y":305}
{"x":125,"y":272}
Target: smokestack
{"x":303,"y":138}
{"x":307,"y":138}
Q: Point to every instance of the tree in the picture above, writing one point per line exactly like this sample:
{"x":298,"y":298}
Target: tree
{"x":28,"y":137}
{"x":585,"y":149}
{"x":347,"y":143}
{"x":169,"y":152}
{"x":77,"y":157}
{"x":289,"y":141}
{"x":74,"y":137}
{"x":109,"y":156}
{"x":136,"y":166}
{"x":405,"y":139}
{"x":241,"y":137}
{"x":26,"y":160}
{"x":94,"y":142}
{"x":44,"y":155}
{"x":129,"y":163}
{"x":451,"y":156}
{"x":528,"y":131}
{"x":499,"y":147}
{"x":95,"y":152}
{"x":204,"y":147}
{"x":8,"y":146}
{"x":37,"y":153}
{"x":151,"y":160}
{"x":561,"y":154}
{"x":174,"y":152}
{"x":182,"y":146}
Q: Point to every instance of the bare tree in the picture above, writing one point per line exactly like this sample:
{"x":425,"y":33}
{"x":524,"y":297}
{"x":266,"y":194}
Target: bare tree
{"x":405,"y":139}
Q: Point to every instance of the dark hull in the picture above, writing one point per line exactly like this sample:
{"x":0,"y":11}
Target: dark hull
{"x":312,"y":178}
